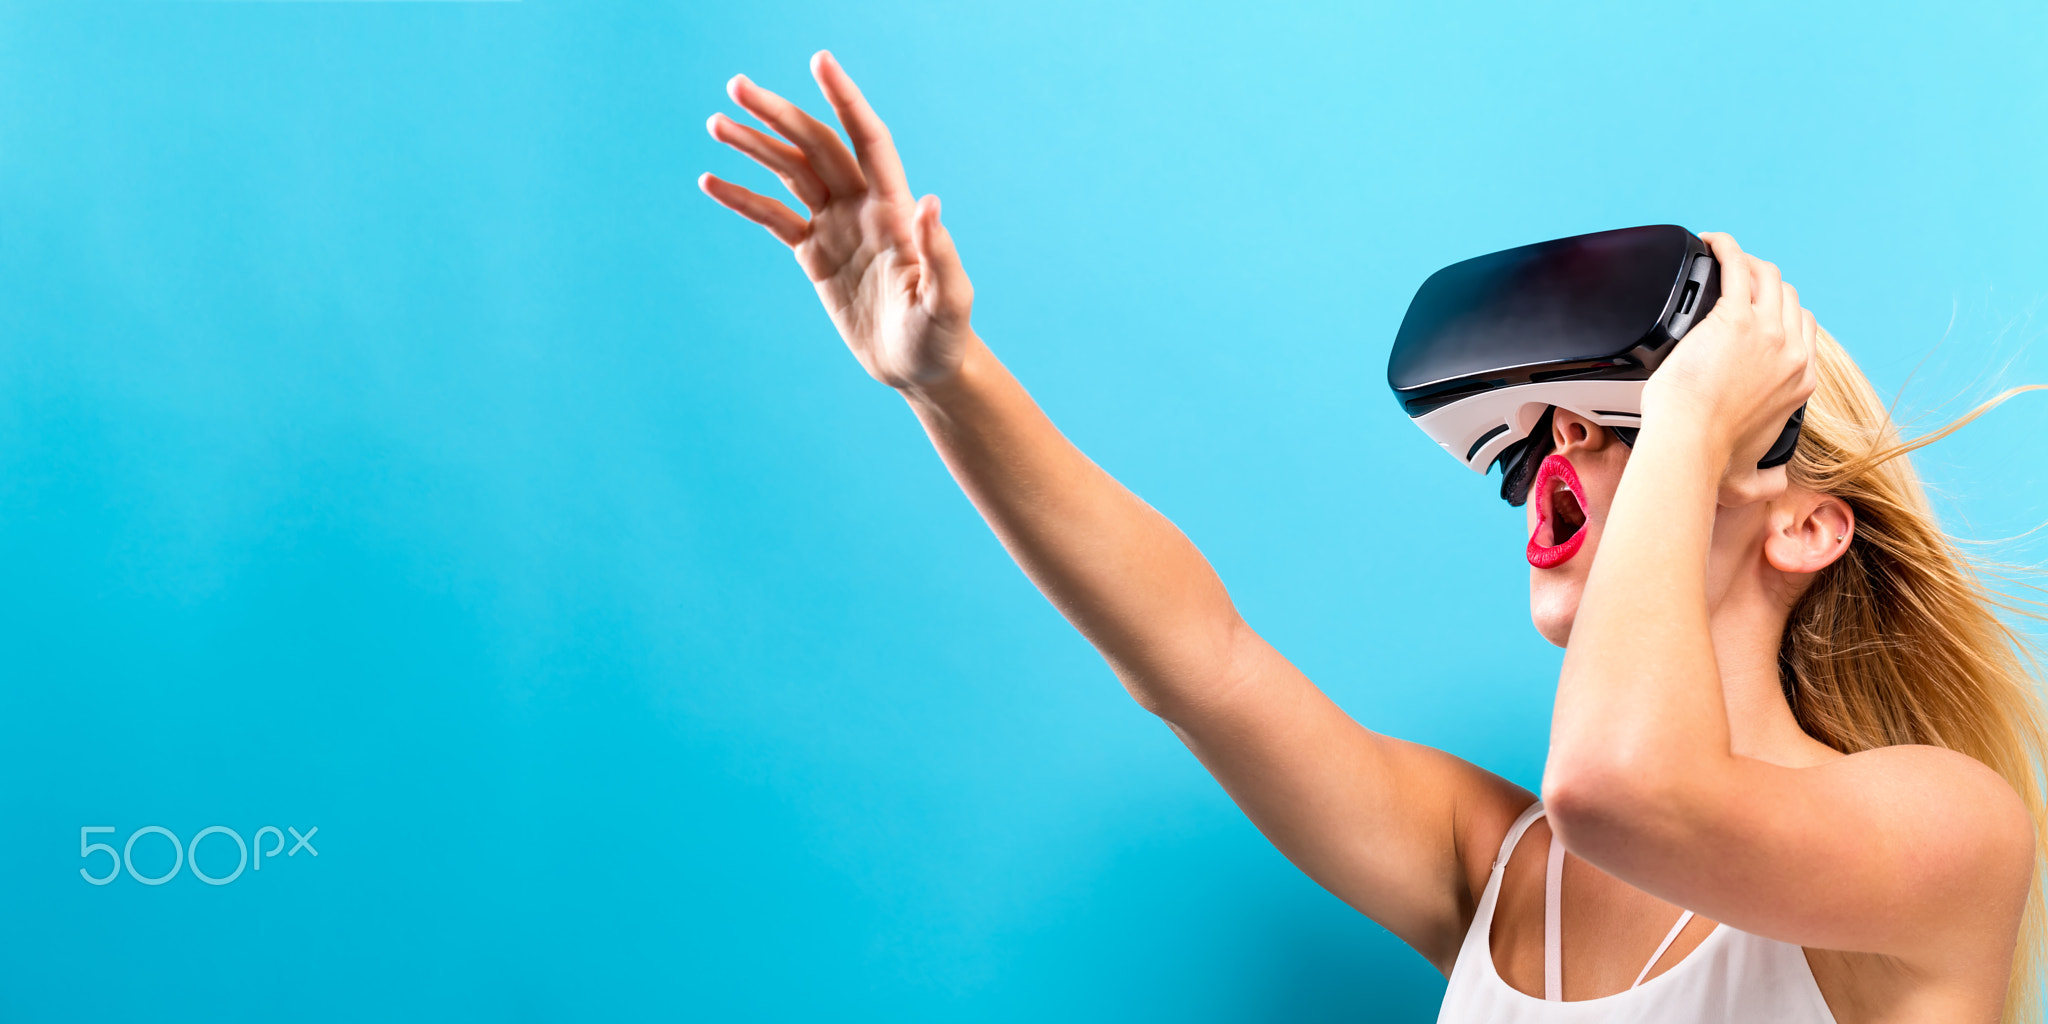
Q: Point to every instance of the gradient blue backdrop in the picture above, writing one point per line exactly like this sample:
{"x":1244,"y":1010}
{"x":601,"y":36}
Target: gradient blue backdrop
{"x":394,"y":442}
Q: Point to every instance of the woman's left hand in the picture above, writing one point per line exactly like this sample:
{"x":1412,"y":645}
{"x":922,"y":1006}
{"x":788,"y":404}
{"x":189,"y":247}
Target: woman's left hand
{"x":1740,"y":374}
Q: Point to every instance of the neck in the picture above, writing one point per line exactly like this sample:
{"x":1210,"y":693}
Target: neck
{"x":1747,"y":635}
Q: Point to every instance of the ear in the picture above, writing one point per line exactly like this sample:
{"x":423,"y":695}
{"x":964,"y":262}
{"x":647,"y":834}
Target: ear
{"x":1808,"y":531}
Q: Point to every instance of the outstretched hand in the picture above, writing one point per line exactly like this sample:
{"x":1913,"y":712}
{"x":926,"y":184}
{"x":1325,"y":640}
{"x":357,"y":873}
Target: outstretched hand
{"x":883,"y":264}
{"x":1742,"y":372}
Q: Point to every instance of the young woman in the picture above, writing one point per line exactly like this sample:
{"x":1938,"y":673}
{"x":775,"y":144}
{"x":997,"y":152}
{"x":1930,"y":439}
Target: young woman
{"x":1792,"y":772}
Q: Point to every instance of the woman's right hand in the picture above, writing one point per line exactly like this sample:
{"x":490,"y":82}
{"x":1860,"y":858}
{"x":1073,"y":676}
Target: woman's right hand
{"x":1740,"y":373}
{"x":883,"y":264}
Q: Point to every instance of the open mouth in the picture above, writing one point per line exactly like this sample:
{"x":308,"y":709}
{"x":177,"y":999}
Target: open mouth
{"x":1560,"y":514}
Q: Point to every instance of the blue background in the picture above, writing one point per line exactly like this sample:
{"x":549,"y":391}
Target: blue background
{"x":394,"y":441}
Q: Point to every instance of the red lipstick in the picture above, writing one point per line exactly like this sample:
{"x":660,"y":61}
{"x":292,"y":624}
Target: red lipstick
{"x":1555,"y":480}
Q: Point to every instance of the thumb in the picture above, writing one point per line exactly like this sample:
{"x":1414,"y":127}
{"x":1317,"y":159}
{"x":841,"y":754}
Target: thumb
{"x":945,"y":288}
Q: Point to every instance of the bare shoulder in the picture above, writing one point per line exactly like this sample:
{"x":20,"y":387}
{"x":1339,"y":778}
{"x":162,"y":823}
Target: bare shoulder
{"x":1964,"y":848}
{"x":1962,"y":839}
{"x":1959,"y":804}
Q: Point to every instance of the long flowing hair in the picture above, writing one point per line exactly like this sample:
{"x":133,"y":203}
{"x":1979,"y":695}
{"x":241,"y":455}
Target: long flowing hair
{"x":1902,"y":640}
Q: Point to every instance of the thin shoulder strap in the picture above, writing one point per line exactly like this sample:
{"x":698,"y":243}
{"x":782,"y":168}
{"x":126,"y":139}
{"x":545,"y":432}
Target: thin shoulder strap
{"x":1553,"y":909}
{"x":1553,"y":922}
{"x":1683,"y":920}
{"x":1521,"y":825}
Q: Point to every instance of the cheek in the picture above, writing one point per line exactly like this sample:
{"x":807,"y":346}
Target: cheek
{"x":1601,"y":484}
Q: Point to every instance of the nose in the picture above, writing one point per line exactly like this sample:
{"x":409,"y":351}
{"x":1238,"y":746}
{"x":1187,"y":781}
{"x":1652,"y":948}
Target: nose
{"x":1571,"y":432}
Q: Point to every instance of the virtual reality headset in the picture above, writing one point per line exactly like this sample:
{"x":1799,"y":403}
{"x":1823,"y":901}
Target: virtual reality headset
{"x":1492,"y":345}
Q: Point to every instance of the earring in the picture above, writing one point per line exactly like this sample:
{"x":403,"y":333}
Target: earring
{"x":1841,"y":536}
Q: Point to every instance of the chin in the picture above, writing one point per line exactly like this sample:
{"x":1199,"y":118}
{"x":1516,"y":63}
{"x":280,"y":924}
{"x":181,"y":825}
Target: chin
{"x":1553,"y":604}
{"x":1559,"y":550}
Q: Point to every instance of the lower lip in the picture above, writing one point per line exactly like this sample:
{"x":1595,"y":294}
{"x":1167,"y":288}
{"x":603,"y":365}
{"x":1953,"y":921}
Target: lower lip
{"x":1551,"y":557}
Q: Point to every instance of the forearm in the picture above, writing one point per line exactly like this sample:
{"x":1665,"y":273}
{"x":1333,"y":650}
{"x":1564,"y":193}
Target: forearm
{"x":1639,"y":700}
{"x":1129,"y":580}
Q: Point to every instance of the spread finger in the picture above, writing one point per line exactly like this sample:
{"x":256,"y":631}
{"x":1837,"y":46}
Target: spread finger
{"x":786,"y":161}
{"x":828,"y":157}
{"x":781,"y":221}
{"x":872,"y":145}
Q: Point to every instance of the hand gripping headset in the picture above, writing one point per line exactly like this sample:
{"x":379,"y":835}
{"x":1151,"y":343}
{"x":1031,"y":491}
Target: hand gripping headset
{"x":1492,"y":345}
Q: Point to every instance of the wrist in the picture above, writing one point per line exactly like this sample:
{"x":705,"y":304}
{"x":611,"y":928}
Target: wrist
{"x":1677,"y":416}
{"x":1684,"y":441}
{"x":958,"y":385}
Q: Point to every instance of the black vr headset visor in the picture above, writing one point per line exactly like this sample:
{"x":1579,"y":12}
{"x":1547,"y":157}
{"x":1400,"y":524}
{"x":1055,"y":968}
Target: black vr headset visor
{"x":1491,"y":346}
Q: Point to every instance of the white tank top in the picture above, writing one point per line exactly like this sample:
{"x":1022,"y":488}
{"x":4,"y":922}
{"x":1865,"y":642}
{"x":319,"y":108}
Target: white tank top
{"x":1733,"y":976}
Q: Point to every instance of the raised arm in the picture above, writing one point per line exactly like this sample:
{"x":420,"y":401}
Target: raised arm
{"x":1913,"y":852}
{"x":1402,"y":832}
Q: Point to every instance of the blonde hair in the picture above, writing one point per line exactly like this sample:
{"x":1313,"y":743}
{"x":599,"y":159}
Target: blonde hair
{"x":1900,"y":640}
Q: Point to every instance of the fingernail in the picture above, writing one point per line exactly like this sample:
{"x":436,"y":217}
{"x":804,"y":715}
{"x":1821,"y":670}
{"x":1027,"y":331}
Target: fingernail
{"x":711,"y":124}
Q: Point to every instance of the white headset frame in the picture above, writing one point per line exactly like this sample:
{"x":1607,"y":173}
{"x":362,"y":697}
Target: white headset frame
{"x":1459,"y":428}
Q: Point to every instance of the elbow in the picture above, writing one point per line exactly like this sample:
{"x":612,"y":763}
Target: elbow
{"x":1598,"y":804}
{"x":1162,"y":692}
{"x":1159,"y":705}
{"x":1205,"y":679}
